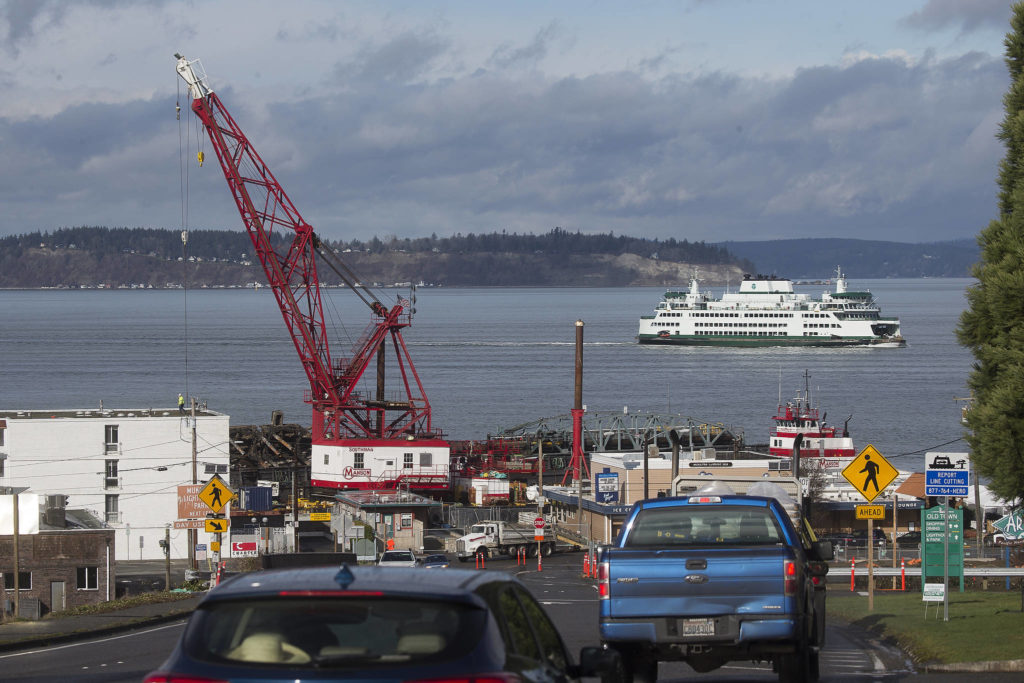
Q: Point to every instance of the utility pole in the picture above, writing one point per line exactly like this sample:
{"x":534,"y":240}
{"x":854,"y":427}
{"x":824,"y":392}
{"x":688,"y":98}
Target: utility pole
{"x":192,"y":533}
{"x":17,"y":563}
{"x":295,"y":509}
{"x":167,"y":557}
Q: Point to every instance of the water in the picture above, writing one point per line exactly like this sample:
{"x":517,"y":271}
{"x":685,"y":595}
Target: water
{"x":488,"y":359}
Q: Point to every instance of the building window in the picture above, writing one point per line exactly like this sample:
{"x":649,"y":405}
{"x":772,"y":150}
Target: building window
{"x":110,"y":438}
{"x":407,"y":461}
{"x":110,"y":480}
{"x":357,"y":461}
{"x":113,"y":514}
{"x":213,"y":468}
{"x":24,"y":581}
{"x":88,"y":578}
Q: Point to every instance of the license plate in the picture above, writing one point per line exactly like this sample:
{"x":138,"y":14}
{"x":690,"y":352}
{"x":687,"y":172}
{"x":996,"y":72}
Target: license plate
{"x":698,"y":627}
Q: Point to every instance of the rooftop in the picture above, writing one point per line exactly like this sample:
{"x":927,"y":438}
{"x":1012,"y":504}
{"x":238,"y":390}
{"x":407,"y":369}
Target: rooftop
{"x":96,"y":413}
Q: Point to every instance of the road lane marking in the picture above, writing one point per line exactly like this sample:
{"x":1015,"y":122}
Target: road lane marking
{"x":93,"y":641}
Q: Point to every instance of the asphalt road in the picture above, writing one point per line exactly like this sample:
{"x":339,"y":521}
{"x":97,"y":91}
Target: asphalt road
{"x":570,"y":600}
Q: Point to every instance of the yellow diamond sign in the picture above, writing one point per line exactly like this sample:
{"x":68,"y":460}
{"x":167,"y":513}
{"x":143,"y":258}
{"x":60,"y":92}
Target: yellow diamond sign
{"x":216,"y":494}
{"x":870,"y":473}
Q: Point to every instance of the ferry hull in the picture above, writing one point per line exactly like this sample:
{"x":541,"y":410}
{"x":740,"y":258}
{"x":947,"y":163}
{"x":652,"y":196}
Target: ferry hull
{"x":759,"y":342}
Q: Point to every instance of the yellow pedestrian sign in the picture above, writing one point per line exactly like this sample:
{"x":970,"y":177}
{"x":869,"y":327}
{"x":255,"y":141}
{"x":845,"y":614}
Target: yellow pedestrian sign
{"x":216,"y":526}
{"x":216,"y":494}
{"x":870,"y":473}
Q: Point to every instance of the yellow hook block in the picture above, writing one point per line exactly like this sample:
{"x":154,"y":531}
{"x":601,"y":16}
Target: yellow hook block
{"x":201,"y":157}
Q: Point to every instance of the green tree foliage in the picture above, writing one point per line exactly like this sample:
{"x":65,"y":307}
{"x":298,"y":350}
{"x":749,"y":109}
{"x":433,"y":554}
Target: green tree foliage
{"x":993,"y":324}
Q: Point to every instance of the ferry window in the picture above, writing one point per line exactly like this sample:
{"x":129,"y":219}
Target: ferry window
{"x":2,"y":430}
{"x":407,"y":461}
{"x":327,"y":458}
{"x":426,"y":459}
{"x":358,"y":461}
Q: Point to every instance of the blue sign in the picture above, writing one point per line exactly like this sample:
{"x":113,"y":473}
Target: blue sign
{"x":947,"y":483}
{"x":607,"y":487}
{"x":947,"y":474}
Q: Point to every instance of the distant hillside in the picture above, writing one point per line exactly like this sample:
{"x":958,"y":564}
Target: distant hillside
{"x":136,"y":257}
{"x":818,"y":258}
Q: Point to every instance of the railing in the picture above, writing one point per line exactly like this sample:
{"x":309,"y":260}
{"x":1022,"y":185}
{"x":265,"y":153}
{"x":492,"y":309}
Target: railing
{"x":113,"y":517}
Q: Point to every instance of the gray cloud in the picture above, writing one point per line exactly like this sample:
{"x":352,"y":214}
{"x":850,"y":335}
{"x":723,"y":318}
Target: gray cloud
{"x":878,"y":148}
{"x":967,"y":16}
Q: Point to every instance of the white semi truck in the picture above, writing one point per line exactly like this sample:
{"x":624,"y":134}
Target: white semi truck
{"x":501,"y":538}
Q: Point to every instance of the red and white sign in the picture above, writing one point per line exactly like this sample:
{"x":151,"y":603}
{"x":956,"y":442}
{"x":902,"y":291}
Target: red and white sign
{"x":538,"y":523}
{"x":244,"y":548}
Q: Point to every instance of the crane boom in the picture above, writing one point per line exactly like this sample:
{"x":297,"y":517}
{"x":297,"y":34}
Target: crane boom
{"x":340,"y":412}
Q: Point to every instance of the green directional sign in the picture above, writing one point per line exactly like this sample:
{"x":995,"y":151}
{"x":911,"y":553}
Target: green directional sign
{"x":933,"y":536}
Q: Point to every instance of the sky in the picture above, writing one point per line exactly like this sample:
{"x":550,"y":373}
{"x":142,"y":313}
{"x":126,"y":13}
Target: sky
{"x":705,"y":120}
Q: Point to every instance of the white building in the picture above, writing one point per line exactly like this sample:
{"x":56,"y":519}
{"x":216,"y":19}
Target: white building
{"x":125,"y":466}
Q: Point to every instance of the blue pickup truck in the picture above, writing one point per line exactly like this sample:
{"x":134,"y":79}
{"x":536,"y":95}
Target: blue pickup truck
{"x":711,"y":577}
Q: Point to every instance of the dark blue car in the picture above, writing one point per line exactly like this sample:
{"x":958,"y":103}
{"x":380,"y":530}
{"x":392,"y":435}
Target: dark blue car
{"x":373,"y":624}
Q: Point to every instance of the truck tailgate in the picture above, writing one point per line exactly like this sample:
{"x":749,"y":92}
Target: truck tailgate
{"x":696,"y":582}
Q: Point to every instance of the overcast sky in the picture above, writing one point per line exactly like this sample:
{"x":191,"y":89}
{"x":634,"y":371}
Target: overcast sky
{"x":705,"y":120}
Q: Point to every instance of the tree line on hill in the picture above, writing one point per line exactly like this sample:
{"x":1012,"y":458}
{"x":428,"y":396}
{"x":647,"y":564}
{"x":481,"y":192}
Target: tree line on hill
{"x":117,"y":257}
{"x":94,"y":256}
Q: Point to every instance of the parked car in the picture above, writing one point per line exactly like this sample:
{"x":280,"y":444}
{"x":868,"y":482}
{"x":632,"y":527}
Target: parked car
{"x":362,"y":623}
{"x":397,"y":558}
{"x":434,"y":562}
{"x":860,"y":537}
{"x":911,"y":539}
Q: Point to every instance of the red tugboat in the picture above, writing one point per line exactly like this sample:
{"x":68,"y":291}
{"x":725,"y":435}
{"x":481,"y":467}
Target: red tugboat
{"x":827,"y":445}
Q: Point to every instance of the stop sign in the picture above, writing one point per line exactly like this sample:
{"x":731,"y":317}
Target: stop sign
{"x":539,"y":522}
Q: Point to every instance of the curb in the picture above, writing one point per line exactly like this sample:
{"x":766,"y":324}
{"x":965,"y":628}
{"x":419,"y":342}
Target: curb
{"x":83,"y":634}
{"x":997,"y":666}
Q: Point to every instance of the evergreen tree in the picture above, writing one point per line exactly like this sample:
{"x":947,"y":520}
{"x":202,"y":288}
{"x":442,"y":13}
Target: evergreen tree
{"x":993,"y":324}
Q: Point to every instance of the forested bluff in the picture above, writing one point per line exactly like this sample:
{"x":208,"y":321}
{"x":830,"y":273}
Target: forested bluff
{"x":91,"y":257}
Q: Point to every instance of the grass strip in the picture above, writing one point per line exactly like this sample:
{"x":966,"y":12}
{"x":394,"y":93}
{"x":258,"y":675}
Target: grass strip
{"x":121,"y":603}
{"x":981,"y":627}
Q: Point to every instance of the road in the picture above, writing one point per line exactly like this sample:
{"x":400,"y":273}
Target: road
{"x":570,"y":600}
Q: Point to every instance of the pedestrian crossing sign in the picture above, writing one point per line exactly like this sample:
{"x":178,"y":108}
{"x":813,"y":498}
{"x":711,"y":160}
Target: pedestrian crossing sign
{"x":870,"y":473}
{"x":216,"y":494}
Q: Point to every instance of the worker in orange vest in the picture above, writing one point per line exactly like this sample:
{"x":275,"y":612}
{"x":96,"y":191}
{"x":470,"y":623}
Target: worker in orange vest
{"x":391,"y":544}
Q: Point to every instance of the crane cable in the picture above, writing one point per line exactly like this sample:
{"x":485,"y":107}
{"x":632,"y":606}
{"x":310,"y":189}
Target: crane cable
{"x":183,"y":189}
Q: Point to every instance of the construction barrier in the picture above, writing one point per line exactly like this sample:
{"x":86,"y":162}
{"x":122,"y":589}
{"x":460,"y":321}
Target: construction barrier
{"x":521,"y":556}
{"x":481,"y":561}
{"x":853,"y":573}
{"x":586,"y":565}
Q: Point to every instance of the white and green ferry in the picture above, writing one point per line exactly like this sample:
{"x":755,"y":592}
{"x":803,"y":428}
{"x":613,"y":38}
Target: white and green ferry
{"x":766,"y":311}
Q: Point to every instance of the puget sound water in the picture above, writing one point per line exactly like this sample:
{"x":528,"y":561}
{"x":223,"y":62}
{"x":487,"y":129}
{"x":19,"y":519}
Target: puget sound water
{"x":489,"y":359}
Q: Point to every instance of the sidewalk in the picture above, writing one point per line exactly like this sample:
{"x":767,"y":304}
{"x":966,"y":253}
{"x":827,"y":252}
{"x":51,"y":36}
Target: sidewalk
{"x":22,"y":634}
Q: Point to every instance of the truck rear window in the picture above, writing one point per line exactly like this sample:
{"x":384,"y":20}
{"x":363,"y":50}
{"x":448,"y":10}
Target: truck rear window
{"x":685,"y":525}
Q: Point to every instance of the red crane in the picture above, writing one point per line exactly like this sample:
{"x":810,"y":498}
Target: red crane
{"x":359,"y":440}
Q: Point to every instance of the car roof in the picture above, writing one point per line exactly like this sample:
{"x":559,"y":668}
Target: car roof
{"x":395,"y":581}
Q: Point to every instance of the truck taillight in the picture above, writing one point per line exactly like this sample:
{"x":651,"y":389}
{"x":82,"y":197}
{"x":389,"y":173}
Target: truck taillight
{"x":602,"y":580}
{"x":789,"y":575}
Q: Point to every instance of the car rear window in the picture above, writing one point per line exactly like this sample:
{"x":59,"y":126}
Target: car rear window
{"x":323,"y":631}
{"x":397,"y":556}
{"x":698,"y":524}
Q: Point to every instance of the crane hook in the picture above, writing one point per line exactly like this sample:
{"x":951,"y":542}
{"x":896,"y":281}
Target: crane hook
{"x":200,"y":156}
